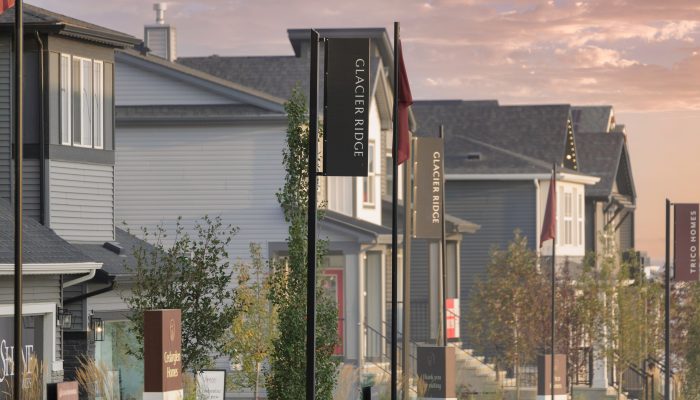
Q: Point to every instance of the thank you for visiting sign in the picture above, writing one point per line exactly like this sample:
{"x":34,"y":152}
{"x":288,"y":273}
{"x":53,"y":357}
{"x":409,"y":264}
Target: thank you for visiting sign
{"x":346,"y":111}
{"x":211,"y":384}
{"x":428,"y":189}
{"x":544,"y":377}
{"x":436,"y":372}
{"x":685,"y":246}
{"x":162,"y":348}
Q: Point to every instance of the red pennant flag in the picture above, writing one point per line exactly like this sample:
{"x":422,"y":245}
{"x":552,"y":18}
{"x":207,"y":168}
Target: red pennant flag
{"x":549,"y":225}
{"x":5,"y":4}
{"x":405,"y":101}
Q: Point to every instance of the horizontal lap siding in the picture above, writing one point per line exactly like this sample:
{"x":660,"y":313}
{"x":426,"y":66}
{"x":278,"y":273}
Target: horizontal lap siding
{"x":500,"y":207}
{"x":139,"y":87}
{"x":31,"y":176}
{"x":82,"y":201}
{"x":232,"y":172}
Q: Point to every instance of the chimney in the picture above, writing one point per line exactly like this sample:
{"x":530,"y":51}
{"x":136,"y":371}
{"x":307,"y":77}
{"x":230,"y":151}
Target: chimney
{"x":160,"y":37}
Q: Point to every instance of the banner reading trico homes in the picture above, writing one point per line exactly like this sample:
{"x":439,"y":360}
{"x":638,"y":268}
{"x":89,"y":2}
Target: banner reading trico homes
{"x":685,"y":245}
{"x":346,"y":112}
{"x":428,"y":188}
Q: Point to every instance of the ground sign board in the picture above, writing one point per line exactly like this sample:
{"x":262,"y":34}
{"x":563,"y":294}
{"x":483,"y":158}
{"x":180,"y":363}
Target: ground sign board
{"x":544,"y":377}
{"x":685,"y":244}
{"x":162,"y":344}
{"x":211,"y":384}
{"x":346,"y":111}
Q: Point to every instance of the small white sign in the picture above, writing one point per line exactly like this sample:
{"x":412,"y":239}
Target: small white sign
{"x":211,"y":384}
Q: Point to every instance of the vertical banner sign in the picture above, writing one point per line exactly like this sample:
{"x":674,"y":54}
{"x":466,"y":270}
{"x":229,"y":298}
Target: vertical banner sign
{"x":544,"y":376}
{"x":685,"y":244}
{"x":452,"y":318}
{"x":428,"y":188}
{"x":346,"y":107}
{"x":436,"y":372}
{"x":162,"y":362}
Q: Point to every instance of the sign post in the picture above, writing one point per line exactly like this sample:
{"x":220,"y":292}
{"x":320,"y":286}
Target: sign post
{"x":436,"y":372}
{"x":549,"y":380}
{"x":162,"y":350}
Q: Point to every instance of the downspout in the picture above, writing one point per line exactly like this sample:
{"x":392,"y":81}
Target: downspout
{"x":80,"y":280}
{"x":93,"y":293}
{"x":42,"y":134}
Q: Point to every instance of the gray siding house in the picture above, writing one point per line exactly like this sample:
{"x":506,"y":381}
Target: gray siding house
{"x":68,"y":178}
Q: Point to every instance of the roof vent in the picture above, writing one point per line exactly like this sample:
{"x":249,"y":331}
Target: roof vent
{"x":114,"y":247}
{"x":473,"y":156}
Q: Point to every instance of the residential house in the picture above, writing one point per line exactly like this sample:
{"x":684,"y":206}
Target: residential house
{"x":68,"y":178}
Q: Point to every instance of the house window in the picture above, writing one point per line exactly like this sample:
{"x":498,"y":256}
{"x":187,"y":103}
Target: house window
{"x":568,"y":219}
{"x":66,"y":90}
{"x":368,"y":182}
{"x":373,"y":305}
{"x":82,"y":102}
{"x":580,"y":220}
{"x":452,"y":270}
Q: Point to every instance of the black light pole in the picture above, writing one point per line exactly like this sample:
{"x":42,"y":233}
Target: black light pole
{"x":19,"y":46}
{"x":311,"y":223}
{"x":554,"y":271}
{"x":443,"y":243}
{"x":395,"y":217}
{"x":667,"y":319}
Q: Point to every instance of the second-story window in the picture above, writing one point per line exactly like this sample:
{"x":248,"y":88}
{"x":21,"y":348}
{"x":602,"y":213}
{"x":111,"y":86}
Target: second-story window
{"x":568,"y":219}
{"x":82,"y":102}
{"x":368,"y":182}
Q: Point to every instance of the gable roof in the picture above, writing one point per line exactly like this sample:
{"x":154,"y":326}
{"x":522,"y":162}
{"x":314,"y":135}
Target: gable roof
{"x":114,"y":260}
{"x":41,"y":19}
{"x":535,"y":131}
{"x":40,"y":244}
{"x":605,"y":155}
{"x":592,"y":118}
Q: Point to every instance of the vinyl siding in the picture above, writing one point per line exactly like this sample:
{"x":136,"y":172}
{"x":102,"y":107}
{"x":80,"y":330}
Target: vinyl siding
{"x":626,"y":232}
{"x":32,"y":188}
{"x":232,"y":172}
{"x":5,"y":114}
{"x":136,"y":87}
{"x":420,"y":290}
{"x":36,"y":289}
{"x":81,"y":201}
{"x":500,"y":207}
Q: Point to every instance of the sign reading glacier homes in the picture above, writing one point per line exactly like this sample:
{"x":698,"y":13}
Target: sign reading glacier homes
{"x":346,"y":107}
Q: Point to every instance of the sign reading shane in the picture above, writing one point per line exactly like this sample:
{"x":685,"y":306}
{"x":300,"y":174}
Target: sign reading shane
{"x":346,"y":111}
{"x":685,"y":247}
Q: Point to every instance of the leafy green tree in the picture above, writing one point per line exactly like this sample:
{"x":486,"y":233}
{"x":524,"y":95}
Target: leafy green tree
{"x":254,"y":328}
{"x":193,"y":275}
{"x":507,"y":311}
{"x":285,"y":378}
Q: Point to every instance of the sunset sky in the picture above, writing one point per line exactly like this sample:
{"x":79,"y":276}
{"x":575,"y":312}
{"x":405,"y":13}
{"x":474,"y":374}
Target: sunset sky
{"x":641,"y":56}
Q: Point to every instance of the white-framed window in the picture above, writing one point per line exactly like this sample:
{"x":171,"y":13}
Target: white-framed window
{"x":97,"y":103}
{"x":66,"y":89}
{"x":368,"y":182}
{"x":580,"y":221}
{"x":82,"y":102}
{"x":568,"y":219}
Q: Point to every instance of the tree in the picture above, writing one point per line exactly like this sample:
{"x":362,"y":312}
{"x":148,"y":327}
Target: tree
{"x":192,"y":275}
{"x":286,"y":375}
{"x":507,"y":309}
{"x":253,"y":330}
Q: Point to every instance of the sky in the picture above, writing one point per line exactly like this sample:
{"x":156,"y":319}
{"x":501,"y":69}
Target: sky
{"x":640,"y":56}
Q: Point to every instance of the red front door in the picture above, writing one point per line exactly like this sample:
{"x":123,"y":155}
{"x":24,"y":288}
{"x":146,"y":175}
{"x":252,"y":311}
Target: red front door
{"x":332,"y":283}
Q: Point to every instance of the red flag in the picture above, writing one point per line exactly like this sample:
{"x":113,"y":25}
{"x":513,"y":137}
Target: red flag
{"x":549,"y":225}
{"x":5,"y":4}
{"x":405,"y":101}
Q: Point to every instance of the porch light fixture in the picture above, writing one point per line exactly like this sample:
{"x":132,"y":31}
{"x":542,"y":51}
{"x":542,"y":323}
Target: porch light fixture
{"x":97,"y":326}
{"x":64,"y":318}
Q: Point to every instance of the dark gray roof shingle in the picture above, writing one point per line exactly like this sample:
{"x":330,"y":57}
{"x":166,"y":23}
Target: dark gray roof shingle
{"x":591,"y":118}
{"x":175,"y":112}
{"x":600,"y":154}
{"x":113,"y":263}
{"x":40,"y":244}
{"x":534,"y":131}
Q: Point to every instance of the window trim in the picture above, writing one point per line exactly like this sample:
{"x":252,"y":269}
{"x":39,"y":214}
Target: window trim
{"x":93,"y":132}
{"x":83,"y":134}
{"x":370,"y":178}
{"x":95,"y":125}
{"x":66,"y":91}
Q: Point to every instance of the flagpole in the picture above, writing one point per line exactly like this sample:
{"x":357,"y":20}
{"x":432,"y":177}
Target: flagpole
{"x":19,"y":46}
{"x":394,"y":214}
{"x":311,"y":223}
{"x":554,"y":256}
{"x":443,"y":255}
{"x":667,"y":305}
{"x":407,"y":232}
